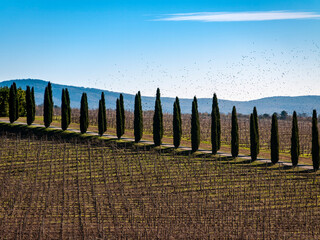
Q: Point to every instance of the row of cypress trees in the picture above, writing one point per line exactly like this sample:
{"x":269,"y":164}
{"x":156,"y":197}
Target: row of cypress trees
{"x":274,"y":142}
{"x":84,"y":115}
{"x":30,"y":105}
{"x":158,"y":123}
{"x":14,"y":104}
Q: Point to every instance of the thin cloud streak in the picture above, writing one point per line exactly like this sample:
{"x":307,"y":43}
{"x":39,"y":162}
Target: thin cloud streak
{"x":239,"y":16}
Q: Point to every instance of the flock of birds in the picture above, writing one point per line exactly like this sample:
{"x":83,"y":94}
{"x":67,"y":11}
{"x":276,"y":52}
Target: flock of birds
{"x":244,"y":77}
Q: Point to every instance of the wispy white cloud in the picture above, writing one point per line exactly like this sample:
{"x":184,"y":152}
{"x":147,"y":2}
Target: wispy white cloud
{"x":238,"y":16}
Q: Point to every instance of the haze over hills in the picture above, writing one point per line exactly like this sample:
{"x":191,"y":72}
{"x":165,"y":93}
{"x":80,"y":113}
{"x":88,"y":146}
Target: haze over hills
{"x":269,"y":105}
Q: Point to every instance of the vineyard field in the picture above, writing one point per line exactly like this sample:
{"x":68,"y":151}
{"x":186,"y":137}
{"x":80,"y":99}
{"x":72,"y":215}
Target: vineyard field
{"x":53,"y":189}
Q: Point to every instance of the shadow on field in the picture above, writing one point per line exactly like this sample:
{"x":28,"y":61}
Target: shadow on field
{"x":205,"y":155}
{"x":246,"y":161}
{"x":225,"y":159}
{"x":183,"y":152}
{"x":303,"y":171}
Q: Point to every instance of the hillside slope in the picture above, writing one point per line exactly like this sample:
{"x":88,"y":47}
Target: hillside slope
{"x":302,"y":104}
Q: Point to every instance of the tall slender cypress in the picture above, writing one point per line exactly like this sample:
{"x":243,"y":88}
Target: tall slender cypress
{"x":51,"y":102}
{"x":33,"y":105}
{"x":123,"y":117}
{"x":100,"y":118}
{"x":119,"y":119}
{"x":215,"y":125}
{"x":253,"y":139}
{"x":158,"y":97}
{"x":103,"y":101}
{"x":177,"y":131}
{"x":195,"y":126}
{"x":274,"y":139}
{"x":13,"y":106}
{"x":215,"y":106}
{"x":234,"y":134}
{"x":64,"y":110}
{"x":17,"y":102}
{"x":68,"y":106}
{"x":295,"y":146}
{"x":157,"y":121}
{"x":315,"y":141}
{"x":29,"y":106}
{"x":179,"y":111}
{"x":84,"y":117}
{"x":102,"y":121}
{"x":47,"y":106}
{"x":138,"y":118}
{"x":256,"y":124}
{"x":156,"y":125}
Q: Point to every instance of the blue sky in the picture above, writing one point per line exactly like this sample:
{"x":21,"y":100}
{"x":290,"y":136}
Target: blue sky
{"x":241,"y":50}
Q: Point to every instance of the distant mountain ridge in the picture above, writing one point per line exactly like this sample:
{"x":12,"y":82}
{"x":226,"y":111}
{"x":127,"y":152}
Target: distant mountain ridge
{"x":269,"y":105}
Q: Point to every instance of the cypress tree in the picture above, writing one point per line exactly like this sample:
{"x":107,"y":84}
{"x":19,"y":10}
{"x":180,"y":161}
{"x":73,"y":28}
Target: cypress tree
{"x":103,"y":101}
{"x":68,"y":106}
{"x":138,"y":118}
{"x":218,"y":122}
{"x":29,"y":106}
{"x":64,"y":111}
{"x":256,"y":123}
{"x":215,"y":125}
{"x":84,"y":117}
{"x":33,"y":105}
{"x":17,"y":102}
{"x":234,"y":134}
{"x":195,"y":126}
{"x":123,"y":117}
{"x":253,"y":138}
{"x":141,"y":115}
{"x":100,"y":118}
{"x":179,"y":111}
{"x":119,"y":119}
{"x":315,"y":141}
{"x":13,"y":106}
{"x":295,"y":146}
{"x":47,"y":106}
{"x":157,"y":121}
{"x":177,"y":132}
{"x":158,"y":97}
{"x":157,"y":125}
{"x":51,"y":102}
{"x":274,"y":140}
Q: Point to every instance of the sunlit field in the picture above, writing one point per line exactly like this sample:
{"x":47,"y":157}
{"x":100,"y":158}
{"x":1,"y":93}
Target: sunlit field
{"x":52,"y":188}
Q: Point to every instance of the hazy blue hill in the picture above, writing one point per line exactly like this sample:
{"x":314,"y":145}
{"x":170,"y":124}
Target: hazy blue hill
{"x":302,"y":104}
